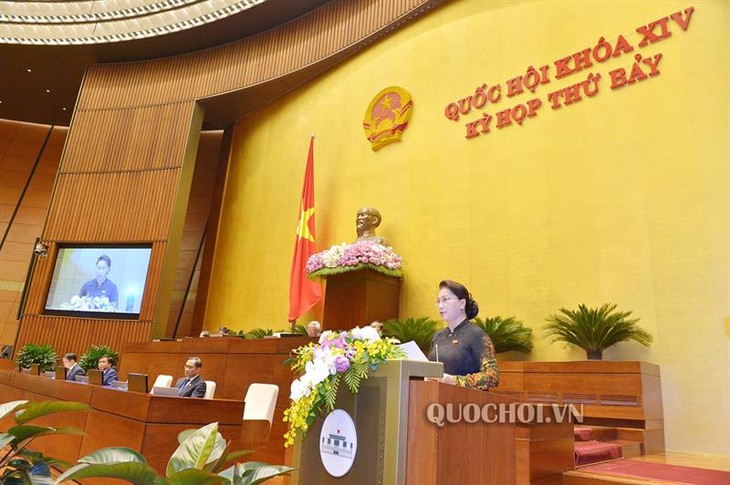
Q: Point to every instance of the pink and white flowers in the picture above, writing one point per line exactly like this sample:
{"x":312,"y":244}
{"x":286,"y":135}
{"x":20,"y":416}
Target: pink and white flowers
{"x":345,"y":257}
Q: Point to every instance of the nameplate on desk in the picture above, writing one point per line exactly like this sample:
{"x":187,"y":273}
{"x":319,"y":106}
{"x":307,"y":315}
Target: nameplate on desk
{"x":95,"y":377}
{"x":82,"y":379}
{"x":138,"y":382}
{"x":61,"y":373}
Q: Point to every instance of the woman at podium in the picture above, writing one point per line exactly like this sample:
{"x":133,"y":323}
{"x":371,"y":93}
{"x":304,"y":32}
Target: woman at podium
{"x":465,"y":349}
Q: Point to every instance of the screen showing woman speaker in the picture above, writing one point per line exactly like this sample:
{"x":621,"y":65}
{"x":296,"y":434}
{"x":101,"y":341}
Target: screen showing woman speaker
{"x":103,"y":281}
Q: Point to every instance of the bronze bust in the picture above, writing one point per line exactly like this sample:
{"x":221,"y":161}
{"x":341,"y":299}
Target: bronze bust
{"x":366,"y":221}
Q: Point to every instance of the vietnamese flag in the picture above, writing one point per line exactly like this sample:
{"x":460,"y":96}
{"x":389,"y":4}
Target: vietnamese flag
{"x":303,"y":292}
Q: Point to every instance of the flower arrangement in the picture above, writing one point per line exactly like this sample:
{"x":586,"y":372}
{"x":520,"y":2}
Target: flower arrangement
{"x":348,"y":356}
{"x":88,"y":303}
{"x":345,"y":257}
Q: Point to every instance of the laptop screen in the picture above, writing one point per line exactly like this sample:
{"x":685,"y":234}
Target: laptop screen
{"x":165,"y":391}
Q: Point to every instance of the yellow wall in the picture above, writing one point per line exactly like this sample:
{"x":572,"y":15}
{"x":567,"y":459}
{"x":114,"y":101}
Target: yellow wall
{"x":622,"y":197}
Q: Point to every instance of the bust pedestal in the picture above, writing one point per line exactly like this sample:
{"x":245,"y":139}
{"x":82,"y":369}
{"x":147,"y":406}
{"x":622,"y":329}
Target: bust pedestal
{"x":357,"y":298}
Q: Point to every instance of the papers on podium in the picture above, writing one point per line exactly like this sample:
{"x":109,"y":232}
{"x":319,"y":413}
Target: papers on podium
{"x":413,"y":351}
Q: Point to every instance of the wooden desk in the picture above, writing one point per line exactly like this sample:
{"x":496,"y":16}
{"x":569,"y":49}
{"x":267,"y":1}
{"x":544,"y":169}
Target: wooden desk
{"x":233,"y":363}
{"x":150,"y":424}
{"x":624,"y":394}
{"x":144,"y":422}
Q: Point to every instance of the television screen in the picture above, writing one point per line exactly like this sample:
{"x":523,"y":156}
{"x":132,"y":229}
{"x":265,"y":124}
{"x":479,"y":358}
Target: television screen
{"x":98,"y":281}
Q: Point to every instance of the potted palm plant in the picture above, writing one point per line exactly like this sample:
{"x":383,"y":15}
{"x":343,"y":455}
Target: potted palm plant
{"x":420,"y":330}
{"x":595,"y":329}
{"x":507,"y":334}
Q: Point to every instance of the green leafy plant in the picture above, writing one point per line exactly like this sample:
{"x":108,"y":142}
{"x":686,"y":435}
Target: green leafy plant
{"x":90,"y":359}
{"x":43,"y":355}
{"x":595,"y":329}
{"x":18,"y":465}
{"x":259,"y":333}
{"x":299,"y":330}
{"x":507,"y":334}
{"x":199,"y":459}
{"x":420,"y":330}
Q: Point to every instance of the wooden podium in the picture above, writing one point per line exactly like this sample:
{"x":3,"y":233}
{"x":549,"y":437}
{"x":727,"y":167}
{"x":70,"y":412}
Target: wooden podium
{"x":380,"y":413}
{"x":398,"y":444}
{"x":358,"y":298}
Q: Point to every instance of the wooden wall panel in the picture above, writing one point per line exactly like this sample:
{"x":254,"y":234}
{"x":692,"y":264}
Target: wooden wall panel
{"x":154,"y":274}
{"x":23,"y":159}
{"x":208,"y":256}
{"x":143,"y":138}
{"x":207,"y":165}
{"x":36,"y":287}
{"x":121,"y":206}
{"x":77,"y":334}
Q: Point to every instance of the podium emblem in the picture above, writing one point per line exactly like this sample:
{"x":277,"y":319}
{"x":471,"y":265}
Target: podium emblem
{"x":338,"y":443}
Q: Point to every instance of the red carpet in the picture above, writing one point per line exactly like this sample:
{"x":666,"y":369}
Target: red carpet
{"x":583,"y":433}
{"x":594,"y":451}
{"x":658,"y":471}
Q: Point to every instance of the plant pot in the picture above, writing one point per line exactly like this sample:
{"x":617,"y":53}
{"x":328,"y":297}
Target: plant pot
{"x":595,"y":354}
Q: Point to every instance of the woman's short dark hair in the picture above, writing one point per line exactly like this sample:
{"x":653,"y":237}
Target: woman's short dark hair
{"x":472,"y":307}
{"x":106,"y":259}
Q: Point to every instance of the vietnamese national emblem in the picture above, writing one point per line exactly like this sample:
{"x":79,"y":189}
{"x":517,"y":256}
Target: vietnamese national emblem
{"x":387,"y":116}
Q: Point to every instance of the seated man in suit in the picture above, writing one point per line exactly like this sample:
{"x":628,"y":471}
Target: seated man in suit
{"x":73,"y":369}
{"x":109,"y":373}
{"x":192,"y":385}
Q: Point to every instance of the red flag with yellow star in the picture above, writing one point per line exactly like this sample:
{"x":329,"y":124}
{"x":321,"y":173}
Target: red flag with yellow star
{"x":303,"y":292}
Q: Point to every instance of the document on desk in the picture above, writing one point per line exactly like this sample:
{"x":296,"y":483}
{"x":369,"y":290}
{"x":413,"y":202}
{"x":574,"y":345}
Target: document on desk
{"x":413,"y":351}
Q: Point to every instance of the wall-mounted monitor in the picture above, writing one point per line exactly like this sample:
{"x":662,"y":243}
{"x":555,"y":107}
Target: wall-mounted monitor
{"x":99,"y":281}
